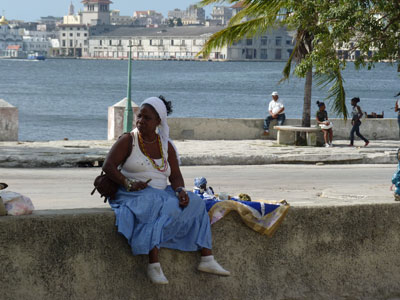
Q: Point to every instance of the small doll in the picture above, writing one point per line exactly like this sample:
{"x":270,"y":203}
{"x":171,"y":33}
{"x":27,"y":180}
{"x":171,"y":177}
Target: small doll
{"x":201,"y":189}
{"x":396,"y":179}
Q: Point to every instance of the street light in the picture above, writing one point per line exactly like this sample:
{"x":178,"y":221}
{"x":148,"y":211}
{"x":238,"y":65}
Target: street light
{"x":128,"y":113}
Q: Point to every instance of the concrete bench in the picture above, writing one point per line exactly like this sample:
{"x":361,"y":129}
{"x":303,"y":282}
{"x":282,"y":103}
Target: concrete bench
{"x":287,"y":135}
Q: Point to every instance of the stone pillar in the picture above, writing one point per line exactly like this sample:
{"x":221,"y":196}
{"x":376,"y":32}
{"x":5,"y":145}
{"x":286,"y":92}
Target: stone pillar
{"x":8,"y":122}
{"x":116,"y":118}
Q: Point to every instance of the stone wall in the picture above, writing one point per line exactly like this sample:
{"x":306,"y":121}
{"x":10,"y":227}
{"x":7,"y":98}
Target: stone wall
{"x":245,"y":129}
{"x":340,"y":253}
{"x":8,"y":122}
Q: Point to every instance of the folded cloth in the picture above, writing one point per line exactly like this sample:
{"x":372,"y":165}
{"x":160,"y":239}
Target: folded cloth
{"x":263,"y":217}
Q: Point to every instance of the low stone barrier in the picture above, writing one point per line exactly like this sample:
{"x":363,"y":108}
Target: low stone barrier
{"x":8,"y":121}
{"x":245,"y":129}
{"x":349,"y":252}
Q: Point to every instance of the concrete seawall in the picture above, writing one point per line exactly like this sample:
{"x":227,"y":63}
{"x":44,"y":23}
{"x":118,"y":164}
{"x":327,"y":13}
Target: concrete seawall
{"x":247,"y":129}
{"x":348,"y":252}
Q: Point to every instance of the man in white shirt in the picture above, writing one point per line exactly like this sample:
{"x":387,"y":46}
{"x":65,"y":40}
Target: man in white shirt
{"x":275,"y":110}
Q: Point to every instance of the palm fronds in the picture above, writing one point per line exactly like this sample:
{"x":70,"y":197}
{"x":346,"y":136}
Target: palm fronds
{"x":231,"y":34}
{"x":336,"y":91}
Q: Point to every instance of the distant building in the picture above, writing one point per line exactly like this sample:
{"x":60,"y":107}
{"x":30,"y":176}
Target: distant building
{"x":182,"y":42}
{"x":274,"y":45}
{"x":74,"y":30}
{"x":117,"y":19}
{"x":238,"y":6}
{"x":193,"y":15}
{"x":9,"y":37}
{"x":147,"y":18}
{"x":36,"y":41}
{"x":96,"y":12}
{"x":176,"y":14}
{"x":48,"y":23}
{"x":221,"y":14}
{"x":49,"y":20}
{"x":185,"y":42}
{"x":71,"y":11}
{"x":74,"y":39}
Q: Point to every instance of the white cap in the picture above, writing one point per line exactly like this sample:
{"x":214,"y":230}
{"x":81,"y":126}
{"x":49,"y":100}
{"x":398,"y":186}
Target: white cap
{"x":274,"y":94}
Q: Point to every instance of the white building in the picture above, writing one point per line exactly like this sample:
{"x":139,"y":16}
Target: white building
{"x":9,"y":37}
{"x":74,"y":31}
{"x":117,"y":19}
{"x":221,"y":14}
{"x":185,"y":42}
{"x":193,"y":15}
{"x":96,"y":12}
{"x":36,"y":41}
{"x":74,"y":39}
{"x":176,"y":14}
{"x":274,"y":45}
{"x":147,"y":18}
{"x":152,"y":43}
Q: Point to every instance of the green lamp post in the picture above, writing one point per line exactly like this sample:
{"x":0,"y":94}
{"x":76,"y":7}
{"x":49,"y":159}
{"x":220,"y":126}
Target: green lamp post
{"x":128,"y":113}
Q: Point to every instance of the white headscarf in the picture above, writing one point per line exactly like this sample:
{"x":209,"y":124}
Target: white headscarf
{"x":163,"y":128}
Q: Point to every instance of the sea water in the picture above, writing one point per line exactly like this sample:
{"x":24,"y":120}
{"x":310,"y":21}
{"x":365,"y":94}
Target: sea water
{"x":69,"y":98}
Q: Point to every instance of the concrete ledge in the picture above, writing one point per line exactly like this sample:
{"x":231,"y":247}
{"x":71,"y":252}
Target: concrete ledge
{"x":247,"y":129}
{"x":349,"y":252}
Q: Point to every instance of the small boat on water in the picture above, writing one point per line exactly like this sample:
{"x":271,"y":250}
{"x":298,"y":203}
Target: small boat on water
{"x":36,"y":56}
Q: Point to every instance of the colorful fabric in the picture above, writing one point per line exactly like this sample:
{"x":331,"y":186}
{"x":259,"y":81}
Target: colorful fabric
{"x":263,"y":217}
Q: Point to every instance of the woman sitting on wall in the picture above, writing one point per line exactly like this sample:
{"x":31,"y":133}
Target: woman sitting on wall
{"x":325,"y":124}
{"x":150,"y":213}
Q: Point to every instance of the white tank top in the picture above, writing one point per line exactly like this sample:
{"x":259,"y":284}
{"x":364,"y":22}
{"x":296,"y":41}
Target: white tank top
{"x":138,"y":166}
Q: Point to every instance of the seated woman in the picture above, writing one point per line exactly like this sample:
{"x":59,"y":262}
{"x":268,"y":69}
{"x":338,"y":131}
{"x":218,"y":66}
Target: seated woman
{"x":150,"y":213}
{"x":325,"y":124}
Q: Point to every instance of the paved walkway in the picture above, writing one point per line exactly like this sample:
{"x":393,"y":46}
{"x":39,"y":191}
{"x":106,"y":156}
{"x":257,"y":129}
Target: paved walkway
{"x":196,"y":153}
{"x":300,"y":185}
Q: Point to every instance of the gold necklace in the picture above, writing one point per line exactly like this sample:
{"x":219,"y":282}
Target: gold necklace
{"x":164,"y":166}
{"x":146,"y":142}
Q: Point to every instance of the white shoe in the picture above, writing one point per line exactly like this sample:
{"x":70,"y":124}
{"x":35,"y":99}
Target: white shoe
{"x":331,"y":145}
{"x":155,"y":273}
{"x":209,"y":265}
{"x":326,"y":145}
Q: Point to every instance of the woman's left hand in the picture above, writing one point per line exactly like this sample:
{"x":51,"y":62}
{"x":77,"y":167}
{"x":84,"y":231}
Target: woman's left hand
{"x":183,"y":199}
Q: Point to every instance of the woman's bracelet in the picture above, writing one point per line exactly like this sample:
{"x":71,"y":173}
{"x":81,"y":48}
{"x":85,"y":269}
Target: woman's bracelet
{"x":179,"y":189}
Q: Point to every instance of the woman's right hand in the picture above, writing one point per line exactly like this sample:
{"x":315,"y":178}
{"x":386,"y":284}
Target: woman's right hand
{"x":139,"y":185}
{"x":135,"y":185}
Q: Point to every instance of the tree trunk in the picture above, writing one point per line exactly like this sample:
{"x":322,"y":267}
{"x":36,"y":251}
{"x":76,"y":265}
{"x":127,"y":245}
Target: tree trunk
{"x":306,"y":120}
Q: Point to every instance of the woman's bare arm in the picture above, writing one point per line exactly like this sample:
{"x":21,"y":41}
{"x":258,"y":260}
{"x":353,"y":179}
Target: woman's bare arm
{"x":118,"y":153}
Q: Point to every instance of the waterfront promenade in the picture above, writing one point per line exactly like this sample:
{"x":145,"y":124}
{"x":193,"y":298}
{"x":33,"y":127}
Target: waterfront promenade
{"x":199,"y":153}
{"x":60,"y":174}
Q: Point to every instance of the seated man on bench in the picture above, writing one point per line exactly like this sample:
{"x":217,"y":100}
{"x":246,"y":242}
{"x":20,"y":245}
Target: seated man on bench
{"x":275,"y":110}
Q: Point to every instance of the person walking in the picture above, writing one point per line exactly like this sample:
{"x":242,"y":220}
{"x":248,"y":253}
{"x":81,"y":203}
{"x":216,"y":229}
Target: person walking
{"x":355,"y":121}
{"x":397,"y":109}
{"x":276,"y":112}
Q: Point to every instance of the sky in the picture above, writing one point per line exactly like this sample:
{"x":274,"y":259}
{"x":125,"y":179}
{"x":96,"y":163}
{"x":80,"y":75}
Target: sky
{"x":29,"y":10}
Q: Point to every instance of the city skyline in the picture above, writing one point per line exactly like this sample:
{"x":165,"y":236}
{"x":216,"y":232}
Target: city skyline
{"x":32,"y":11}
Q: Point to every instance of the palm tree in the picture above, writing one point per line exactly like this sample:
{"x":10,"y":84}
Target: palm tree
{"x":257,"y":16}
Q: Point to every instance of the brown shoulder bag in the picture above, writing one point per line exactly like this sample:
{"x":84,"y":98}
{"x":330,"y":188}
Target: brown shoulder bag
{"x":106,"y":187}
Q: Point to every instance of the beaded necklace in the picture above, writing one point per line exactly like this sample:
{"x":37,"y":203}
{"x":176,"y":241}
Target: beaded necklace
{"x":164,"y":166}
